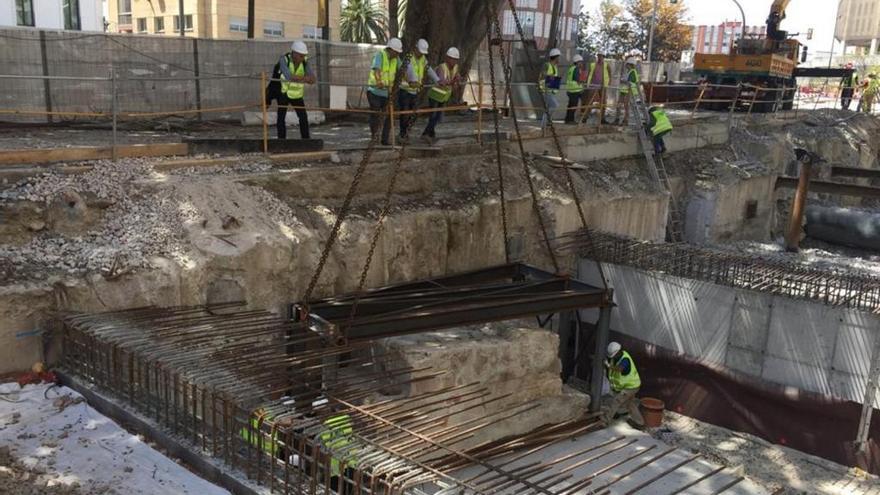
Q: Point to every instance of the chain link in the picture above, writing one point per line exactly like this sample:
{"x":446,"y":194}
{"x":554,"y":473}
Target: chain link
{"x":568,"y":173}
{"x":349,"y":196}
{"x":492,"y":13}
{"x":489,"y":24}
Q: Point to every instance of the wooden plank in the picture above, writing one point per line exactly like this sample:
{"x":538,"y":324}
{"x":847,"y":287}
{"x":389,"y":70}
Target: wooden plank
{"x":83,"y":153}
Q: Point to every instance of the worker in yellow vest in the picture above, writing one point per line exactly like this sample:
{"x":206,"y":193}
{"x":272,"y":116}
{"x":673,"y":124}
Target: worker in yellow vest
{"x":659,"y":125}
{"x":295,"y":73}
{"x":869,"y":94}
{"x":448,"y":80}
{"x":625,"y":383}
{"x":549,"y":84}
{"x":629,"y":86}
{"x":383,"y":72}
{"x":417,"y":70}
{"x":598,"y":80}
{"x":336,"y":438}
{"x":574,"y":86}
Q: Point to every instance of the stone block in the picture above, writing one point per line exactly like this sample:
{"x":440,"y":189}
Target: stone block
{"x":256,"y":118}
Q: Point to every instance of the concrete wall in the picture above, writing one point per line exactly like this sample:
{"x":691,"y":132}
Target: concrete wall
{"x":48,"y":14}
{"x":719,"y":215}
{"x":787,"y":341}
{"x":586,"y":148}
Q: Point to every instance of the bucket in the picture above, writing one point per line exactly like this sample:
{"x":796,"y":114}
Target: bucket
{"x":652,"y":411}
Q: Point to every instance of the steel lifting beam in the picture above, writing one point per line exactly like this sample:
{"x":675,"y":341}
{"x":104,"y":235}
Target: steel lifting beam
{"x":498,"y":293}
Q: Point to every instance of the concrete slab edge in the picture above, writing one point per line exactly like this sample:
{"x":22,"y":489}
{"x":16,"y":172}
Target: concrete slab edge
{"x":200,"y":464}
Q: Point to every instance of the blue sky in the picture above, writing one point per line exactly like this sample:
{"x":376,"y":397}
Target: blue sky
{"x":801,"y":15}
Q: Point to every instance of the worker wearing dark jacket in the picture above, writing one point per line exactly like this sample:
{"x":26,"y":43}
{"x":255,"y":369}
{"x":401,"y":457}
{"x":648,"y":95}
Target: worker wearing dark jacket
{"x":659,"y":126}
{"x":848,"y":87}
{"x":625,"y":383}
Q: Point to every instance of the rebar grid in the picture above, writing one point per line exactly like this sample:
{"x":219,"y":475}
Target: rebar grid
{"x":744,"y":271}
{"x":256,"y":391}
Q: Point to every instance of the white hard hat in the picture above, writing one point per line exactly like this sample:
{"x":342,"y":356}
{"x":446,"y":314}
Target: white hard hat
{"x":577,"y":58}
{"x":395,"y":44}
{"x":422,"y":45}
{"x":453,"y":53}
{"x":632,"y":61}
{"x":613,"y":348}
{"x":555,"y":52}
{"x":299,"y":47}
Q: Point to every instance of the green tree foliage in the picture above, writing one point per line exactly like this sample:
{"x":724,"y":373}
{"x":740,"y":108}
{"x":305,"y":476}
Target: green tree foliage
{"x":672,"y":35}
{"x":361,"y":21}
{"x":586,"y":43}
{"x":612,"y":30}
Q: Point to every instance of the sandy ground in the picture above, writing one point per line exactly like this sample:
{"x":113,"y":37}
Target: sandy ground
{"x":53,"y":443}
{"x":778,"y":469}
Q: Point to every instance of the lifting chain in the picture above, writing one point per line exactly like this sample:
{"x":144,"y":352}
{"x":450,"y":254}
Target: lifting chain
{"x":489,"y":24}
{"x":349,"y":197}
{"x":568,"y":173}
{"x":493,"y":20}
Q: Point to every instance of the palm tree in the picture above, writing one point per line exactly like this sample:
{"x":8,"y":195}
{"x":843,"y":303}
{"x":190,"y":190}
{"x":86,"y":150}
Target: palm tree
{"x":362,"y":22}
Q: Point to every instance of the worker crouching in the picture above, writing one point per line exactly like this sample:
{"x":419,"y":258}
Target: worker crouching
{"x":659,"y":126}
{"x":625,"y":384}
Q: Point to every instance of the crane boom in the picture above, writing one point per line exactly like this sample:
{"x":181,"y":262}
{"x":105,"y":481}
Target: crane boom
{"x":777,"y":14}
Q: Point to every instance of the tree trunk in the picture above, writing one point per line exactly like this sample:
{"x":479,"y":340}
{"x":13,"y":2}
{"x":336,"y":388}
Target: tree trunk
{"x":553,"y":40}
{"x":393,"y":24}
{"x":458,"y":23}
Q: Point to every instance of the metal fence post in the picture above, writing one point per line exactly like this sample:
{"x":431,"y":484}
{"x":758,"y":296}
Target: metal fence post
{"x":47,"y":93}
{"x":196,"y":75}
{"x":265,"y":113}
{"x":113,"y":108}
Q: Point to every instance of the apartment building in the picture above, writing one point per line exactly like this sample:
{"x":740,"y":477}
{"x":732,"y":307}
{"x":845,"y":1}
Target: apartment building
{"x":858,"y":26}
{"x":721,"y":38}
{"x":535,"y":17}
{"x":222,"y":19}
{"x":74,"y":15}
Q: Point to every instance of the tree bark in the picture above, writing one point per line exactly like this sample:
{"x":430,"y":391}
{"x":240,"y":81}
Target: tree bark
{"x":393,"y":24}
{"x":458,"y":23}
{"x":553,"y":40}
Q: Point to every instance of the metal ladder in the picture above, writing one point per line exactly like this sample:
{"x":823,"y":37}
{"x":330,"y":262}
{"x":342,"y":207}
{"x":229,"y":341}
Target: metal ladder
{"x":674,"y":223}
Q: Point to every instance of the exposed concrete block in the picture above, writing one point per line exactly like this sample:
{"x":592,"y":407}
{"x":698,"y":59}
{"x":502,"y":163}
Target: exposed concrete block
{"x":744,"y":360}
{"x":256,"y":118}
{"x":751,"y":320}
{"x":855,"y":341}
{"x":796,"y":374}
{"x":803,"y":331}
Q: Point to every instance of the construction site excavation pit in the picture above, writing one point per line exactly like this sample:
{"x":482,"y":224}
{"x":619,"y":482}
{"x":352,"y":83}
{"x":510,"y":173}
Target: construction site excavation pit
{"x":165,"y":291}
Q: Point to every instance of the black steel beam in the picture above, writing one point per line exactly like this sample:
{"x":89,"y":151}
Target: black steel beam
{"x":869,"y":173}
{"x":497,"y":293}
{"x":831,"y":188}
{"x":822,"y":72}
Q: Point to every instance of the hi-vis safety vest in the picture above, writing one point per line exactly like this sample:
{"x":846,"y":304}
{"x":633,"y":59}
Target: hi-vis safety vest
{"x":336,"y":437}
{"x":389,"y":71}
{"x":619,"y":381}
{"x":256,"y":437}
{"x":630,"y":86}
{"x":419,"y":64}
{"x":442,"y":94}
{"x":661,"y":122}
{"x":294,"y":90}
{"x":550,"y":70}
{"x":606,"y":77}
{"x":571,"y":84}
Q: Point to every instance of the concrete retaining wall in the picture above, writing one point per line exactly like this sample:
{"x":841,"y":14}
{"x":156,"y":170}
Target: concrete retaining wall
{"x":722,"y":214}
{"x":787,"y":341}
{"x":586,"y":148}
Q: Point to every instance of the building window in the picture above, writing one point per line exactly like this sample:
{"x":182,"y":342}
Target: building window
{"x":24,"y":12}
{"x":124,"y":12}
{"x":159,"y":25}
{"x":273,"y":29}
{"x":508,"y":26}
{"x":312,"y":33}
{"x":142,"y":24}
{"x":188,"y":23}
{"x":71,"y":14}
{"x":238,"y":25}
{"x":529,"y":4}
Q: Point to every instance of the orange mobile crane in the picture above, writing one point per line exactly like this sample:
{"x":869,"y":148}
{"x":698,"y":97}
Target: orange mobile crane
{"x":769,"y":63}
